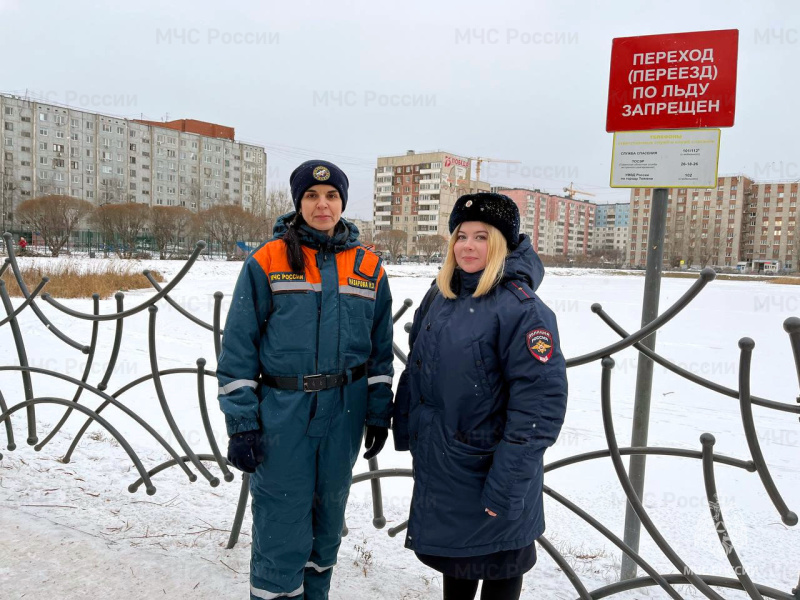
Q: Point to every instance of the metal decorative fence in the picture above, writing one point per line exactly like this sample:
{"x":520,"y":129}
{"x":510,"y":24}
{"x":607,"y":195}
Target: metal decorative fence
{"x":186,"y":459}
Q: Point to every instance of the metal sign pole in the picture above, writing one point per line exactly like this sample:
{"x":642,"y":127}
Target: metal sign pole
{"x":644,"y":374}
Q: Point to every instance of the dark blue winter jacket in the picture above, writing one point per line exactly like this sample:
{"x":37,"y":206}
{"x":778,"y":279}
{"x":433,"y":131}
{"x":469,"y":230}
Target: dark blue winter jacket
{"x":483,"y":395}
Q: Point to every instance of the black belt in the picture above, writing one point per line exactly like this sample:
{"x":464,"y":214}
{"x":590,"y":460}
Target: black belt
{"x":315,"y":383}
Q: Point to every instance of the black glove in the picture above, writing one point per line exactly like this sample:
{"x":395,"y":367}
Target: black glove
{"x":245,"y":451}
{"x":374,"y":440}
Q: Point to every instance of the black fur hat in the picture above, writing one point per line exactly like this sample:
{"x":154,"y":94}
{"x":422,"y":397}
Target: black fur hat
{"x":495,"y":209}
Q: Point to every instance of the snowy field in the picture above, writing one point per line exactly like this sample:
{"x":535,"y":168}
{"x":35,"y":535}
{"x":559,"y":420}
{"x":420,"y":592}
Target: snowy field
{"x":74,"y":531}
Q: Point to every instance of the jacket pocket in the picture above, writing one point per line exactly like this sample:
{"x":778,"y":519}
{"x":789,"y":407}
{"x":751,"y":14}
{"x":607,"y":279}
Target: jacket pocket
{"x":480,"y":370}
{"x":358,"y":333}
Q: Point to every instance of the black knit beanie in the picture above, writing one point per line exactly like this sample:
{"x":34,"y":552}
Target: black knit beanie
{"x":495,"y":209}
{"x":314,"y":172}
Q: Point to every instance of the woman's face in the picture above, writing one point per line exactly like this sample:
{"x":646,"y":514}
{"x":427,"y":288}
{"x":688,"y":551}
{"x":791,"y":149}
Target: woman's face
{"x":321,"y":207}
{"x":472,"y":246}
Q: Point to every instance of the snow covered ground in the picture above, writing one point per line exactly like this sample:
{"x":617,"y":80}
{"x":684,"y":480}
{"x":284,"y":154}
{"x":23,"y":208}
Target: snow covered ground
{"x":73,"y":530}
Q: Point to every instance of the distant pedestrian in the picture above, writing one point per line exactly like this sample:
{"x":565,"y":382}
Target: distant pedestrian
{"x":23,"y":244}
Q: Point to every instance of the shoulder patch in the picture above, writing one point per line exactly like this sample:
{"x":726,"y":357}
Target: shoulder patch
{"x":521,"y":290}
{"x":540,"y":344}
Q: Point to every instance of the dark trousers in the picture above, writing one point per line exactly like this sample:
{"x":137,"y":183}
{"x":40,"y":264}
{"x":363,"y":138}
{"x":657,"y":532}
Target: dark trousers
{"x":493,"y":589}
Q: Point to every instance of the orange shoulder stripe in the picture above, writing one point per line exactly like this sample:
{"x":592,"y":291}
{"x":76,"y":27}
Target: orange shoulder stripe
{"x":272,"y":259}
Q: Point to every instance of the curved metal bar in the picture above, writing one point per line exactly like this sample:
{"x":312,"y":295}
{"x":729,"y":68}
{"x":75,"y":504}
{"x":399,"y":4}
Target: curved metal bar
{"x":708,"y":441}
{"x":109,"y":400}
{"x":378,"y":518}
{"x":576,"y":582}
{"x":241,"y":506}
{"x":162,"y":400}
{"x":117,"y":394}
{"x":399,"y":353}
{"x":136,"y":309}
{"x":112,"y":361}
{"x":217,"y":320}
{"x":22,"y":355}
{"x":166,"y":465}
{"x":747,"y":465}
{"x":792,"y":327}
{"x":706,"y":275}
{"x":393,"y":531}
{"x":608,"y":534}
{"x":636,"y":504}
{"x":132,"y":384}
{"x":402,"y":310}
{"x":84,"y":377}
{"x":27,"y":301}
{"x":6,"y":262}
{"x":746,"y":346}
{"x":369,"y":475}
{"x":201,"y":395}
{"x":110,"y":428}
{"x":675,"y":579}
{"x":174,"y":304}
{"x":9,"y":430}
{"x":12,"y":260}
{"x":726,"y":391}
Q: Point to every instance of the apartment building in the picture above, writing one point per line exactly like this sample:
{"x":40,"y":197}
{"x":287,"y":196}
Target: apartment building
{"x":704,"y":226}
{"x":558,"y":226}
{"x":52,"y":149}
{"x":611,"y":225}
{"x":366,"y":229}
{"x":416,"y":192}
{"x":769,"y":225}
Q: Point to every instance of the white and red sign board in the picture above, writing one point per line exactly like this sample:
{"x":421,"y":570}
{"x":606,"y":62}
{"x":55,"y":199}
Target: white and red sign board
{"x":666,"y":158}
{"x":673,"y":81}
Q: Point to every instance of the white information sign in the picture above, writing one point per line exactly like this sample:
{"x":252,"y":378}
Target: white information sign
{"x":682,"y":158}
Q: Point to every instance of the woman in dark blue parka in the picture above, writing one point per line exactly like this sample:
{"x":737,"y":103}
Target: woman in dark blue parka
{"x":482,"y":397}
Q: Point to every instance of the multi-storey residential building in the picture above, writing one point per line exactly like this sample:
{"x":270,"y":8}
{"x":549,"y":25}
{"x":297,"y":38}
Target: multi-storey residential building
{"x":704,"y":226}
{"x":769,"y":226}
{"x":56,"y":149}
{"x":366,"y":229}
{"x":416,"y":192}
{"x":557,"y":226}
{"x":611,"y":224}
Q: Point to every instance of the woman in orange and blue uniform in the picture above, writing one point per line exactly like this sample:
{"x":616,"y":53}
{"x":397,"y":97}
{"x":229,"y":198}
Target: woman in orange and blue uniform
{"x":306,"y":364}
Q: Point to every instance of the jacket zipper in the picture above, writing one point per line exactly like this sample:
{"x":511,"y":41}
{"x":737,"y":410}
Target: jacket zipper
{"x":319,"y":317}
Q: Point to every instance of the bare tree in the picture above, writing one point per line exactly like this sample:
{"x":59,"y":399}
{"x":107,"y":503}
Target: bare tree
{"x":428,"y":245}
{"x":226,"y":224}
{"x":709,"y":250}
{"x":109,"y":191}
{"x":168,"y":224}
{"x":393,"y":241}
{"x":122,"y":223}
{"x":10,"y":197}
{"x":279,"y":202}
{"x":195,"y":195}
{"x":54,"y":217}
{"x":259,"y":198}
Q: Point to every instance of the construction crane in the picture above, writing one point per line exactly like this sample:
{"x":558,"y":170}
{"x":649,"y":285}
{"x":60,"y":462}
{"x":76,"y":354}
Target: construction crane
{"x":571,"y":191}
{"x":480,"y":160}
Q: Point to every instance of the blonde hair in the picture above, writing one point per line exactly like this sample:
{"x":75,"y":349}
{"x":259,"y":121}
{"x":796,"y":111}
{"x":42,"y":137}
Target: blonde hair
{"x":492,"y":273}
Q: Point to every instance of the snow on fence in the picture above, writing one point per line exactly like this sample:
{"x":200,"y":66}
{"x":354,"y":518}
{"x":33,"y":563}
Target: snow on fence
{"x":186,"y":459}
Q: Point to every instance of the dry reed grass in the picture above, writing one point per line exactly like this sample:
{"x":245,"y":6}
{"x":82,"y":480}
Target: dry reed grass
{"x":73,"y":279}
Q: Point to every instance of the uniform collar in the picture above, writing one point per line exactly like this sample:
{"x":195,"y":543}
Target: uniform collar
{"x":466,"y":283}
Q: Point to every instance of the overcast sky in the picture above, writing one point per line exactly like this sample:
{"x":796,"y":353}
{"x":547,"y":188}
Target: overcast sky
{"x":519,"y":80}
